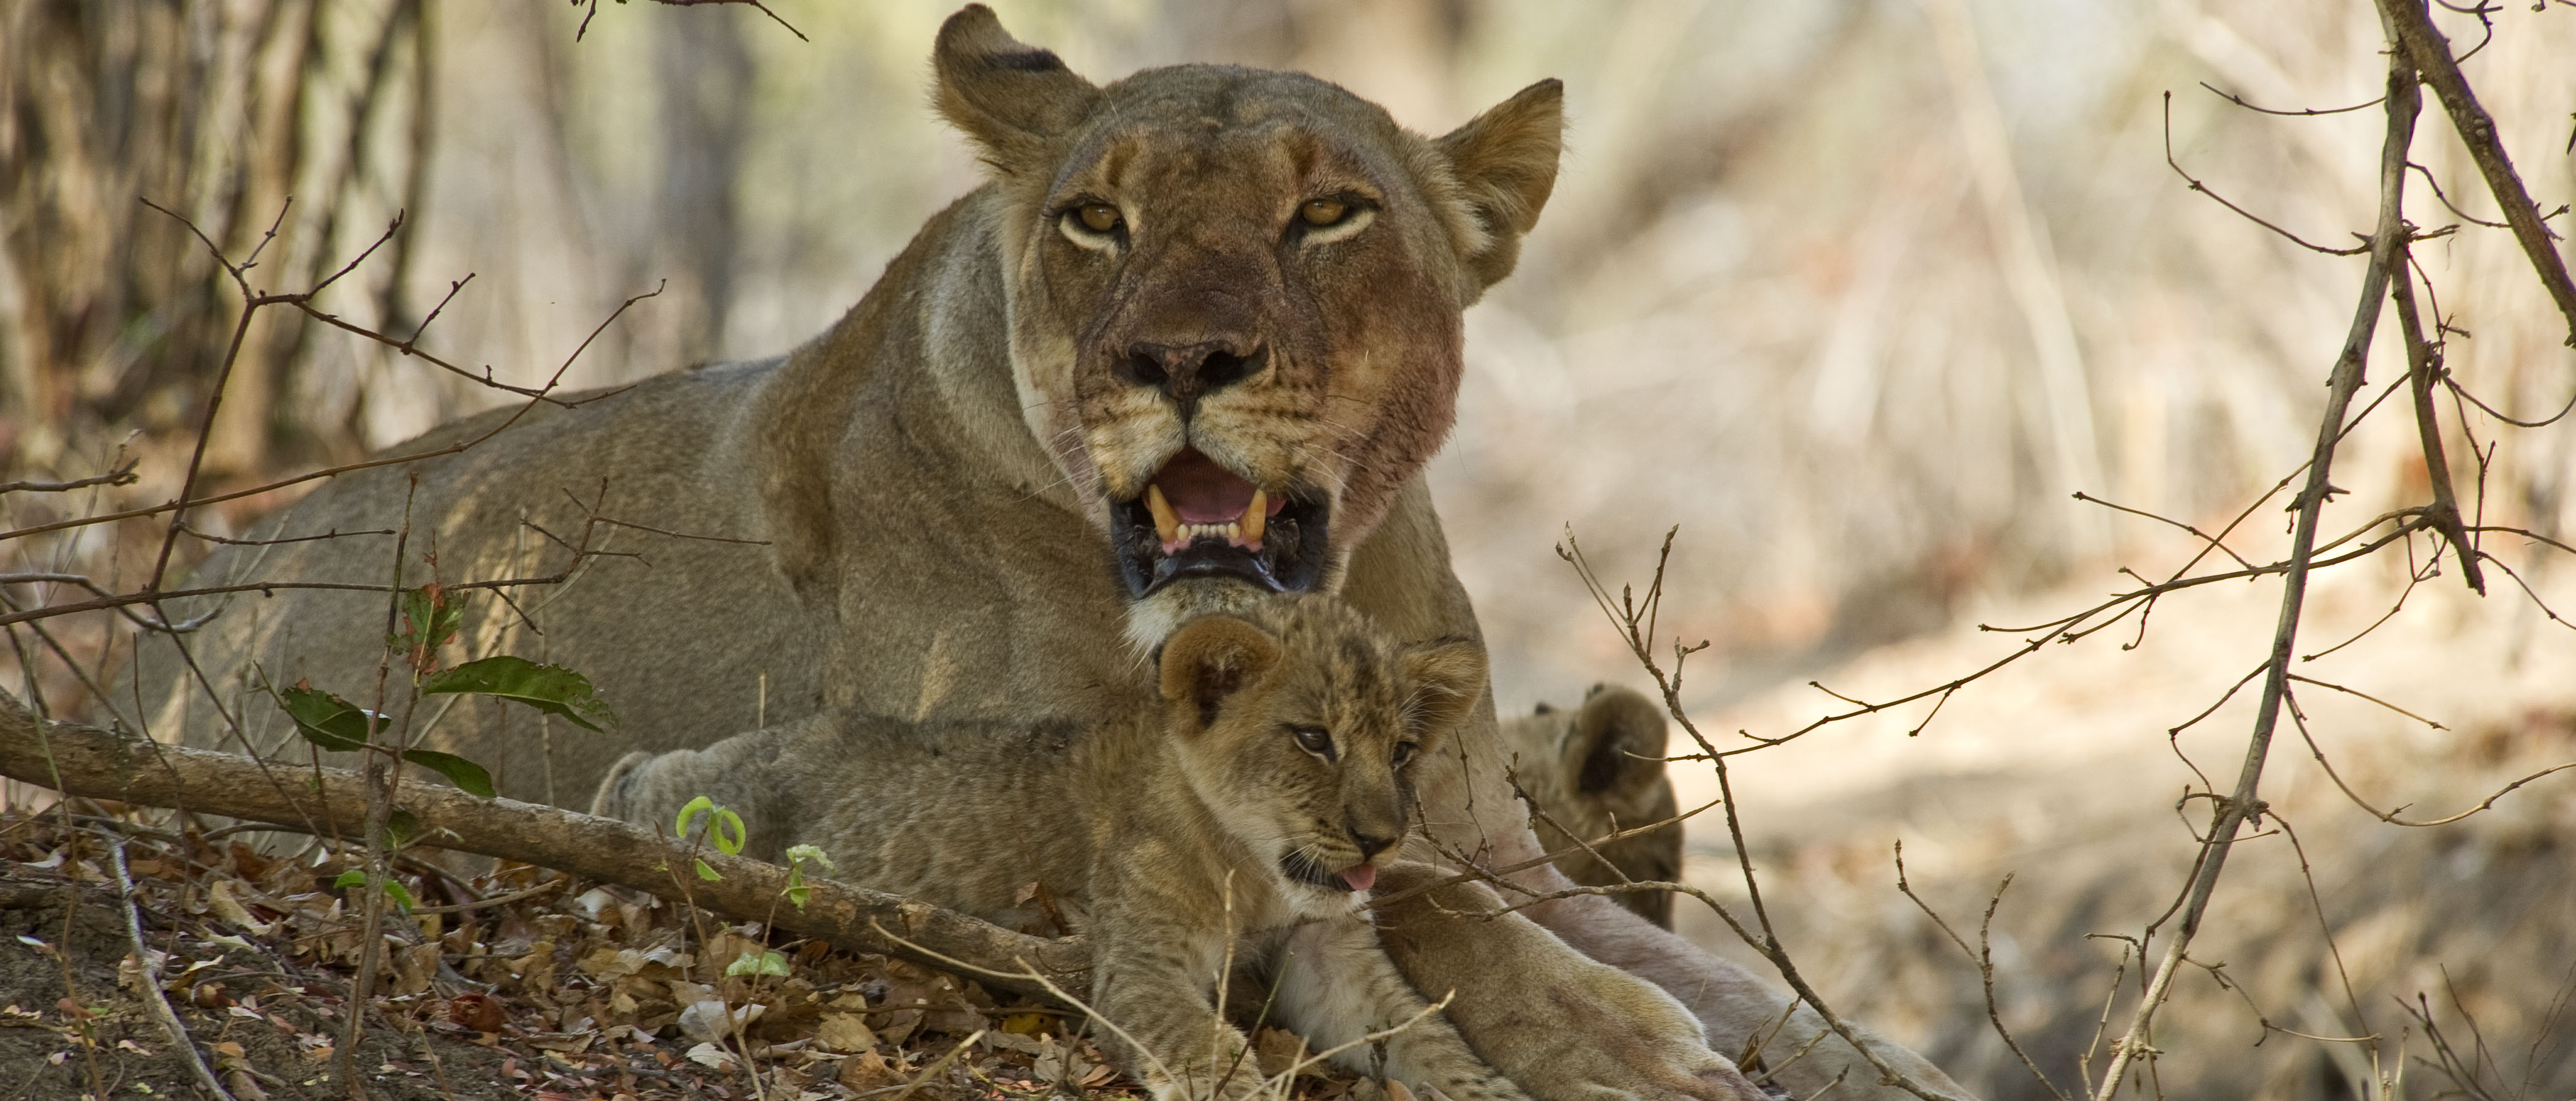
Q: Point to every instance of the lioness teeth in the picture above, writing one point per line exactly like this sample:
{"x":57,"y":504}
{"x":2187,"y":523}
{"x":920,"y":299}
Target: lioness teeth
{"x":1167,"y":524}
{"x":1256,"y":516}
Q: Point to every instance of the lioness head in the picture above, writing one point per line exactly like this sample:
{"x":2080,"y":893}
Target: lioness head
{"x":1234,"y":294}
{"x":1299,"y":725}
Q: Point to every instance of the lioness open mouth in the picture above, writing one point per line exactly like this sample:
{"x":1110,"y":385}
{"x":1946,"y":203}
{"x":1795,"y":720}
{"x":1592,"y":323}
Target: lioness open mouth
{"x":1198,"y":519}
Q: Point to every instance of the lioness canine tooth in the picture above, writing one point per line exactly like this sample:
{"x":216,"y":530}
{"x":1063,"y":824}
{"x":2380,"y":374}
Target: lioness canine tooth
{"x":1167,"y":524}
{"x":1256,"y":515}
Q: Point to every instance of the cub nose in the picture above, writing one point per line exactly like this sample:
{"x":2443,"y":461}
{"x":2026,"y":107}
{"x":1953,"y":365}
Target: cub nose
{"x":1187,"y":372}
{"x":1370,"y":846}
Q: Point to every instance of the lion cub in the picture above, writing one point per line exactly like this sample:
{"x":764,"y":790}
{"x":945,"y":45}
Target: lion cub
{"x":1270,"y":786}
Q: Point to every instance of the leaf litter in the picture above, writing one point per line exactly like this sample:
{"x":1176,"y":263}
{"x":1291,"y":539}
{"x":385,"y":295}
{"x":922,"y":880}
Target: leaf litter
{"x":579,"y":992}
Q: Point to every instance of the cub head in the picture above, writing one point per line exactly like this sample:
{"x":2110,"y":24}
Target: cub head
{"x":1597,"y":769}
{"x":1300,"y":724}
{"x":1234,"y":298}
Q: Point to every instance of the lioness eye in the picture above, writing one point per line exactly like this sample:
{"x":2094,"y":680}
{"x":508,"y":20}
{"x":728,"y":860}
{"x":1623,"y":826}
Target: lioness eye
{"x":1313,"y":739}
{"x":1098,"y":217}
{"x":1323,"y":212}
{"x":1403,"y":753}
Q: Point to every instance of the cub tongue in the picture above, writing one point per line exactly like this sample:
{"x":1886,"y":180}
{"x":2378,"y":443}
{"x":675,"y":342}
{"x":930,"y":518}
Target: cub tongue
{"x":1360,"y":876}
{"x":1201,"y":492}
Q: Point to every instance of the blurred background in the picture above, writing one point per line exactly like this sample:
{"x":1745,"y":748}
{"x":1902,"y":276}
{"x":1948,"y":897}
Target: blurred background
{"x":1855,"y":292}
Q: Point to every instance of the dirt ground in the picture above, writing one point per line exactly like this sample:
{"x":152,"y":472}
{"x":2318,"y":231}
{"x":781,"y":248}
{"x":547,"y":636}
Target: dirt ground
{"x":2063,"y":773}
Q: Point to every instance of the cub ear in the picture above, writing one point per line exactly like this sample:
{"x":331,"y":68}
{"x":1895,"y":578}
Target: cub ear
{"x":1447,"y":678}
{"x":1506,"y":161}
{"x":1615,"y":748}
{"x":1210,"y":659}
{"x":1008,"y":96}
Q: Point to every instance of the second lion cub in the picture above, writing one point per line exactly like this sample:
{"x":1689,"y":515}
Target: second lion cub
{"x":1276,"y":773}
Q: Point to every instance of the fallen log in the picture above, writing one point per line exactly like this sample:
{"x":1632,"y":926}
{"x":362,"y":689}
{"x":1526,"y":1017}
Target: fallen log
{"x":91,"y":762}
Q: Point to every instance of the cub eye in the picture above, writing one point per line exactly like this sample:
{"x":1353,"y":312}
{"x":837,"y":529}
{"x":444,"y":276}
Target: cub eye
{"x":1324,"y":212}
{"x":1313,"y":739}
{"x":1403,"y":753}
{"x":1098,"y":217}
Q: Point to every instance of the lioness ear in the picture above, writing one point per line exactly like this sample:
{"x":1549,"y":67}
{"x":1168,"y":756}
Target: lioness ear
{"x":1010,"y":97}
{"x":1212,"y":658}
{"x":1447,"y":678}
{"x":1506,"y":160}
{"x":1617,"y":739}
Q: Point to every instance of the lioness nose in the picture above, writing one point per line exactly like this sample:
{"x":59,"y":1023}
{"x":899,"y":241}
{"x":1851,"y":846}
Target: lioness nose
{"x":1188,"y":372}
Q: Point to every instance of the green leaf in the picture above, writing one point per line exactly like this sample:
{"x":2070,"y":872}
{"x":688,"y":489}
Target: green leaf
{"x":329,"y":721}
{"x":394,"y":890}
{"x":463,"y":773}
{"x":429,"y":620}
{"x":766,"y":963}
{"x":549,"y":688}
{"x":401,"y":827}
{"x":728,"y":832}
{"x":798,"y":891}
{"x":690,"y":810}
{"x":724,"y":827}
{"x":706,"y":873}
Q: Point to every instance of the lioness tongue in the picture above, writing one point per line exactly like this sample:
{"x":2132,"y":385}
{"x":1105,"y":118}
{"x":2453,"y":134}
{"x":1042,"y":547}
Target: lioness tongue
{"x":1359,"y":876}
{"x":1192,"y":496}
{"x":1201,"y":492}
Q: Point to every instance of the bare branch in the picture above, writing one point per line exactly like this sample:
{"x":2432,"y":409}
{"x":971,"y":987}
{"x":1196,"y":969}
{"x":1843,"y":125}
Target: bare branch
{"x":2387,"y":243}
{"x":122,"y":475}
{"x":2232,"y":97}
{"x":2427,"y":51}
{"x":2241,"y":212}
{"x":85,"y":760}
{"x":1984,"y":955}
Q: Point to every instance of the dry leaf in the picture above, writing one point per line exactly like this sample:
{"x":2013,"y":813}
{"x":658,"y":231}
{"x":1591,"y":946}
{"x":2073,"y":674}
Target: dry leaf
{"x":868,"y":1071}
{"x":894,"y":1028}
{"x":709,"y":1020}
{"x":845,"y":1032}
{"x":219,"y":898}
{"x":1277,"y":1049}
{"x":477,"y":1012}
{"x":709,"y":1055}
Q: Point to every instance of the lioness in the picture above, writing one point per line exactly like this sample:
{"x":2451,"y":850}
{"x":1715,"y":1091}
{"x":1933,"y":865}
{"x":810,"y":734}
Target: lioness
{"x":1234,"y":821}
{"x":1190,"y":346}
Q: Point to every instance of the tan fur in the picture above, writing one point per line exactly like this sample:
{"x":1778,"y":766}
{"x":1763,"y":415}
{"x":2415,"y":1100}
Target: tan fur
{"x":1166,"y":831}
{"x":930,"y":478}
{"x":1596,"y":771}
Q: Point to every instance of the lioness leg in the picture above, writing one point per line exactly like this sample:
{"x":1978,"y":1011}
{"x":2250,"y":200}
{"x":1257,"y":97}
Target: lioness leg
{"x":1336,"y":987}
{"x":1521,"y":995}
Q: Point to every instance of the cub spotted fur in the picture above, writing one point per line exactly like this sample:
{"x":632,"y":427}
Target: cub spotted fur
{"x":1270,"y":785}
{"x":1597,"y":769}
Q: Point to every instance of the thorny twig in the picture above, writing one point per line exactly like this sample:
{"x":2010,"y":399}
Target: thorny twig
{"x":2386,"y":247}
{"x":1984,"y":954}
